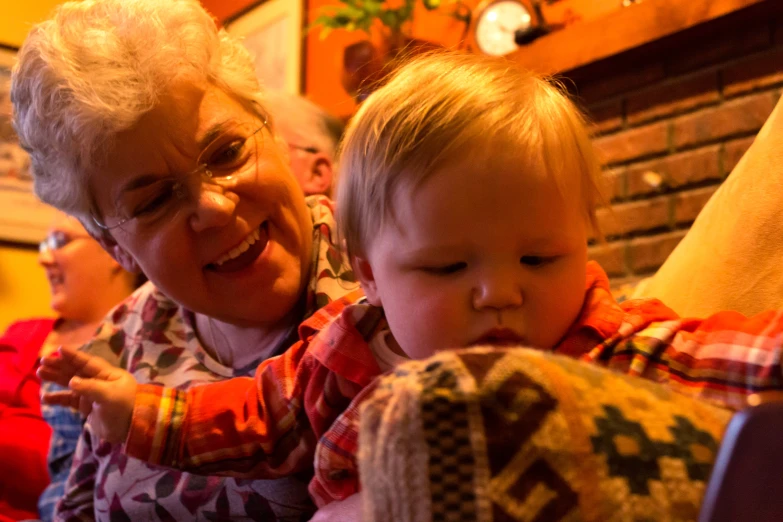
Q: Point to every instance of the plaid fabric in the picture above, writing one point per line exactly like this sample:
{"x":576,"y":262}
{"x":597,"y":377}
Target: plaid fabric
{"x":286,"y":407}
{"x":501,"y":435}
{"x":66,"y":427}
{"x":243,"y":428}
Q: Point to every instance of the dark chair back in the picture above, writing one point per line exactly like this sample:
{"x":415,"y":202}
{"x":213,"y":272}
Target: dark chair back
{"x":747,"y":480}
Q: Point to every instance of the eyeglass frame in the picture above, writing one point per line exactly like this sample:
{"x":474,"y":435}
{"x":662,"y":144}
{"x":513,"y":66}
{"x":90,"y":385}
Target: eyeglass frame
{"x":180,"y":181}
{"x":51,"y":244}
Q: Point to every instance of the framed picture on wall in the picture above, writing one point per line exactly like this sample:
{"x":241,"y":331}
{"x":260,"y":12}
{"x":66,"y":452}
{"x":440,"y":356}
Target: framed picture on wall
{"x":23,"y":219}
{"x":272,"y":32}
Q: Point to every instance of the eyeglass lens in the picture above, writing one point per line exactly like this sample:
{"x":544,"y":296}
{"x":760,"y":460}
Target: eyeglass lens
{"x":54,"y":241}
{"x":232,"y":153}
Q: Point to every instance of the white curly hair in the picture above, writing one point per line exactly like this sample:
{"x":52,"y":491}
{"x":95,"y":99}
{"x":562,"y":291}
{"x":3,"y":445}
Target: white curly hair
{"x":96,"y":67}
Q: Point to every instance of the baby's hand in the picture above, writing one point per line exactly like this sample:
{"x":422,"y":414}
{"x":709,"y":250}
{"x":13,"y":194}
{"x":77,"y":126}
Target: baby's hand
{"x":97,"y":388}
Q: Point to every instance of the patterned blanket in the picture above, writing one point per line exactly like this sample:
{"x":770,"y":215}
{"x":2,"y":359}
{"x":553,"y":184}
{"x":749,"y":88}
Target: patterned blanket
{"x":519,"y":435}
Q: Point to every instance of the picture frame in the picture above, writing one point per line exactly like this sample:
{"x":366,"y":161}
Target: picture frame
{"x":273,"y":32}
{"x":24,"y":218}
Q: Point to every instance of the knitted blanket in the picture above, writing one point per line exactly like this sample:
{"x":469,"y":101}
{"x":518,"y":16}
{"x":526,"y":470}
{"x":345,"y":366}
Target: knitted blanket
{"x":489,"y":434}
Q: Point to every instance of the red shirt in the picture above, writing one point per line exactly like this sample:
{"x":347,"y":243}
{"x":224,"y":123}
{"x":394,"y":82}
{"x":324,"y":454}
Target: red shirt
{"x":24,"y":434}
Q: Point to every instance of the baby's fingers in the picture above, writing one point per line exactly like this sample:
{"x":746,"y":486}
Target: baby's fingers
{"x":93,"y":390}
{"x":68,"y":363}
{"x":65,"y":398}
{"x":54,"y":369}
{"x":84,"y":365}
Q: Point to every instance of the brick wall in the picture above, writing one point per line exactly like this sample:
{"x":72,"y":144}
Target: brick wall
{"x":670,"y":127}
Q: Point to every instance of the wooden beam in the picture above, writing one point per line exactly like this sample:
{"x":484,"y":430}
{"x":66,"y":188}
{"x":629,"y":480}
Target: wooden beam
{"x":622,"y":30}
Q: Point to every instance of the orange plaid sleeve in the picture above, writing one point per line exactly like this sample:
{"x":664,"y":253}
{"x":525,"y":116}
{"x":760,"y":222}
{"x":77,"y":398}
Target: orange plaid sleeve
{"x":336,"y":465}
{"x":722,"y":359}
{"x":261,"y":427}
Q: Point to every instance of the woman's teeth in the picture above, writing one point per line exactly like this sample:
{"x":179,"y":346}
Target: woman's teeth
{"x":240,"y":249}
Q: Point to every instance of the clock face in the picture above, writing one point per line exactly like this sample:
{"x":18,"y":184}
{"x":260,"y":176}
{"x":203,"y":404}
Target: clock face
{"x":496,"y":25}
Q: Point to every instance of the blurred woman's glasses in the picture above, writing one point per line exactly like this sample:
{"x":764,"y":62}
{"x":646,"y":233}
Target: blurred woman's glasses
{"x":57,"y":239}
{"x":229,"y":158}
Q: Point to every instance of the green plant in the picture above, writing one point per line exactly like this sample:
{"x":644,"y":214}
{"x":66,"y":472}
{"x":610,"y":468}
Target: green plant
{"x":359,"y":15}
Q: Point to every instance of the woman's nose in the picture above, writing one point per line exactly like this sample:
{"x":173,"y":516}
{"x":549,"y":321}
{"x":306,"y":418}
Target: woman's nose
{"x":45,"y":257}
{"x":215,"y":207}
{"x":497,"y":291}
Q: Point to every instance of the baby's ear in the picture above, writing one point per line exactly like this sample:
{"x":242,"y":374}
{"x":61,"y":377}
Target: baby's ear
{"x":363,"y":271}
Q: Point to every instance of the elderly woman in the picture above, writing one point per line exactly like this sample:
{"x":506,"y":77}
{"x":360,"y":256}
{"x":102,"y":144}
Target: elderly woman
{"x":147,"y":123}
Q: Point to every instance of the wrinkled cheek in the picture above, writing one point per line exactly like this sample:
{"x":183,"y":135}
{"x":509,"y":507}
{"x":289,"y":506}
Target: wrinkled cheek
{"x":178,"y":282}
{"x":163,"y":262}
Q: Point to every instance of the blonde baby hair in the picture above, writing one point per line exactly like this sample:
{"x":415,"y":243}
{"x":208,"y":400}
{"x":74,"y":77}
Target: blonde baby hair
{"x":439,"y":106}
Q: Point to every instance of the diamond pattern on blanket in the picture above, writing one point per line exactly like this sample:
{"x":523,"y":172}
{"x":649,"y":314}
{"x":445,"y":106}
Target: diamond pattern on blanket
{"x":524,"y":436}
{"x":446,"y":430}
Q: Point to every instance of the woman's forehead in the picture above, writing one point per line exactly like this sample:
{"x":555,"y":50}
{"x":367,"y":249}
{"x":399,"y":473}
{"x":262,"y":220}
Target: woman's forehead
{"x":171,"y":135}
{"x":65,"y":223}
{"x":188,"y":110}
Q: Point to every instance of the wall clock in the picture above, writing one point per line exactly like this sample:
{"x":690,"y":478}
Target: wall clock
{"x":501,"y":26}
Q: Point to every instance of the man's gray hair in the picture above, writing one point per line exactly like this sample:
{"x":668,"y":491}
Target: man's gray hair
{"x":310,"y":123}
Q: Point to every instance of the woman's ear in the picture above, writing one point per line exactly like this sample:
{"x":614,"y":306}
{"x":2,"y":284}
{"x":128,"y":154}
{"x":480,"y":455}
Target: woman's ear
{"x":119,"y":254}
{"x":124,"y":258}
{"x":363,"y":271}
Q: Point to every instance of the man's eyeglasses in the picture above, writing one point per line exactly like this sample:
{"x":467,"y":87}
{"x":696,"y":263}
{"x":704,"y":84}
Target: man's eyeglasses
{"x":309,"y":150}
{"x":230,"y":157}
{"x":56,"y":240}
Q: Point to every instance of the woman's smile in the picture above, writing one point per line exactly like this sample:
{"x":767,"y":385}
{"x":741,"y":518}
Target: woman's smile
{"x":243,"y":254}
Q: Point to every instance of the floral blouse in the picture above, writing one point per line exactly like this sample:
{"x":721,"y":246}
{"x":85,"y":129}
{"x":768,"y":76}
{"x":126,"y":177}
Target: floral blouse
{"x":155,"y":339}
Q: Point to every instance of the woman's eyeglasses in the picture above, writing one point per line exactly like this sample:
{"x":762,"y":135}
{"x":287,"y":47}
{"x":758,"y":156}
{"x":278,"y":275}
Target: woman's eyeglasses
{"x":56,"y":240}
{"x":232,"y":155}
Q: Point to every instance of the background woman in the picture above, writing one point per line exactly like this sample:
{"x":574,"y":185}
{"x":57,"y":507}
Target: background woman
{"x":85,"y":284}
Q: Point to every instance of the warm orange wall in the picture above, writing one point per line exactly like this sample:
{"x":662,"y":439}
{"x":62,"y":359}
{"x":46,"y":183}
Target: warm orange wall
{"x":223,"y":9}
{"x":323,"y":58}
{"x":24,"y":291}
{"x":17,"y":17}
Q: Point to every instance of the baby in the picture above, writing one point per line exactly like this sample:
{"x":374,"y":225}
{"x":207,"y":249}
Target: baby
{"x":467,"y":193}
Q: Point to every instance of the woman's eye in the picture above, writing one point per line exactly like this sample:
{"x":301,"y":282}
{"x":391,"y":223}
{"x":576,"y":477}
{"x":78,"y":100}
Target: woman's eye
{"x":534,"y":261}
{"x":445,"y":269}
{"x":60,"y":239}
{"x":154,"y":203}
{"x":227,"y":155}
